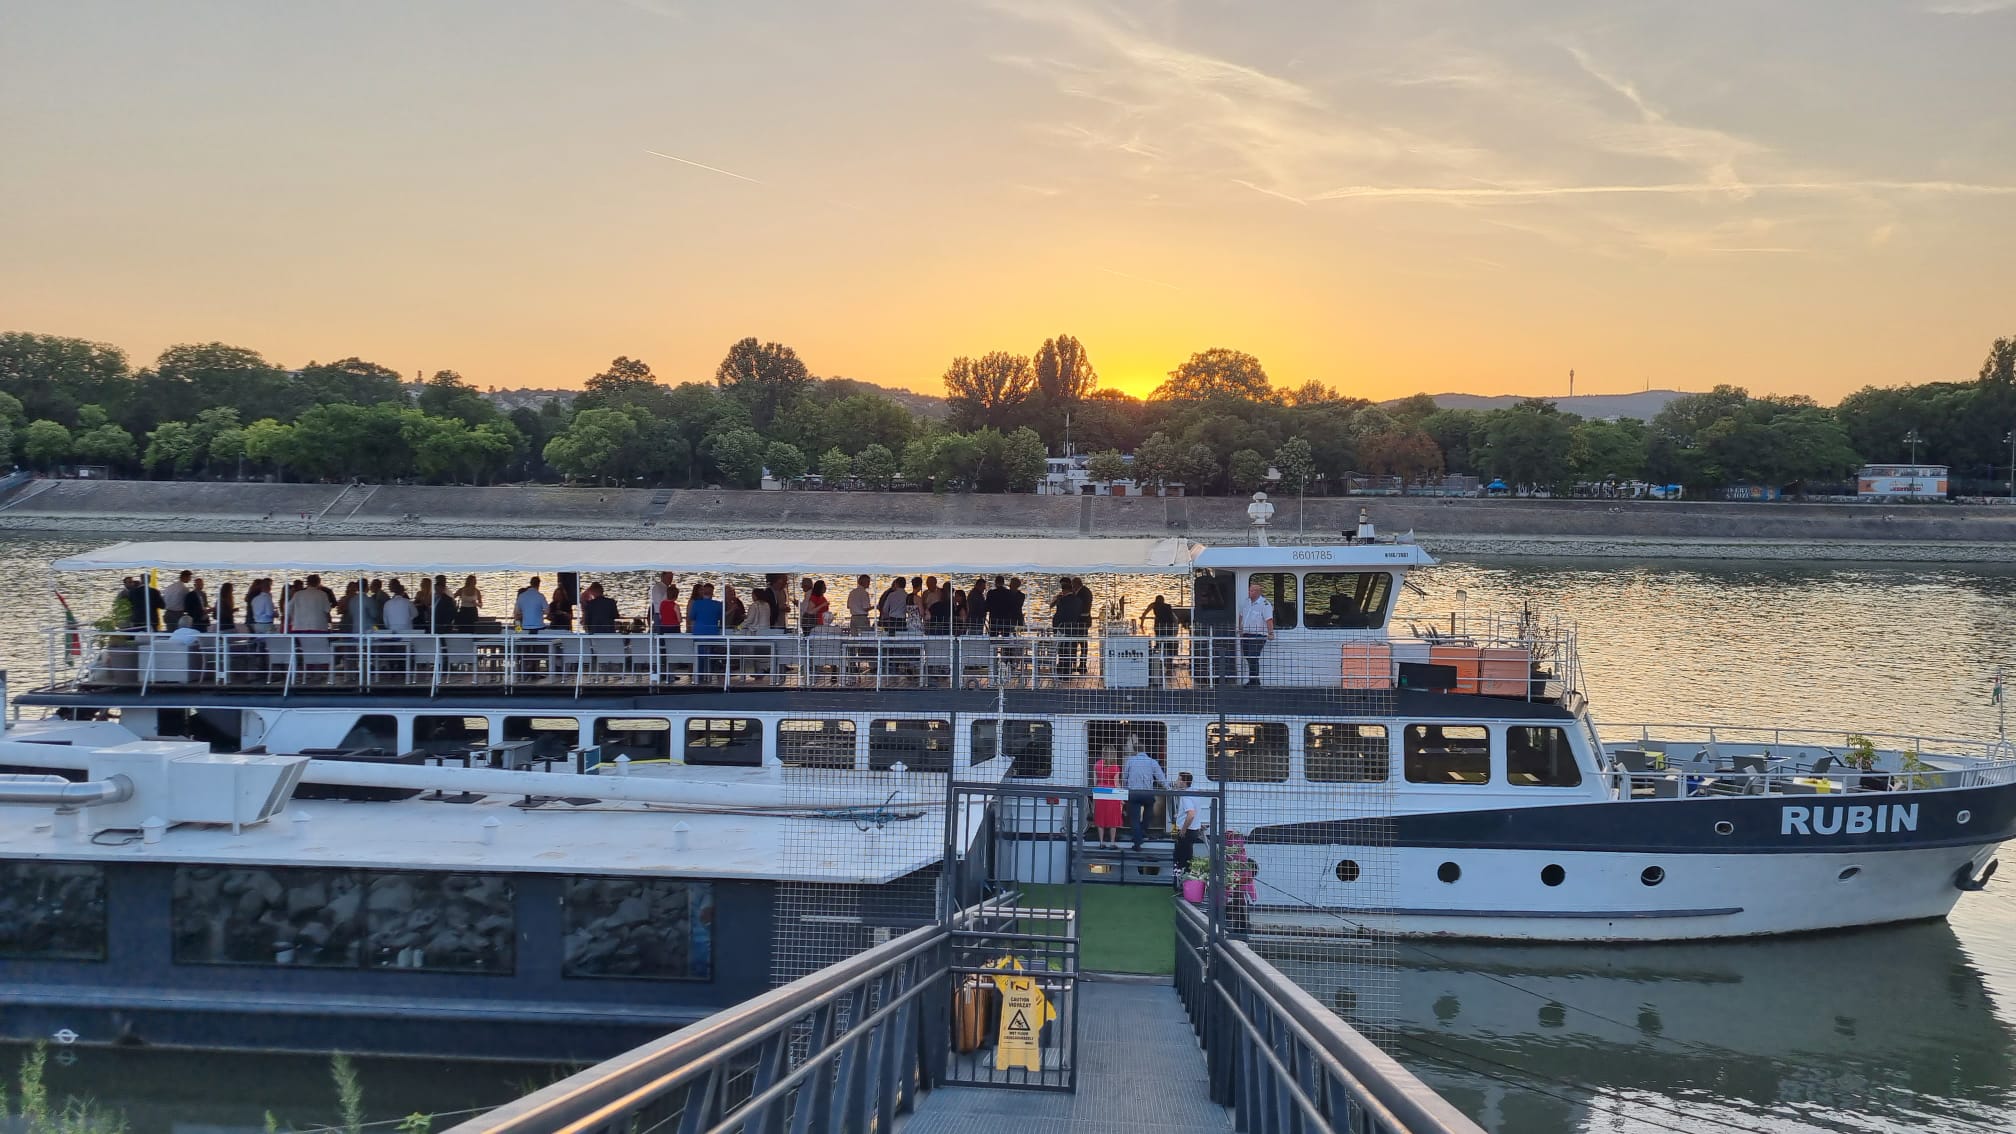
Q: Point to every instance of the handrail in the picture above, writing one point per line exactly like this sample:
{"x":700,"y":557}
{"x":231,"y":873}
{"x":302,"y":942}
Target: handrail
{"x":877,"y":988}
{"x":1272,"y":1047}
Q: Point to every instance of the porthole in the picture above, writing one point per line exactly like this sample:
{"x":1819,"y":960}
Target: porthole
{"x":1652,"y":875}
{"x":1552,"y":874}
{"x":1449,"y":872}
{"x":1963,"y":816}
{"x":1848,"y":872}
{"x":1725,"y":827}
{"x":1347,"y":871}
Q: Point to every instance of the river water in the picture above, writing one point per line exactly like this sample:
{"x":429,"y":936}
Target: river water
{"x":1906,"y":1028}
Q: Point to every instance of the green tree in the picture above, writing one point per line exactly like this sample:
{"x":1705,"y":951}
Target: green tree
{"x":270,"y":443}
{"x":1247,"y":471}
{"x":190,"y":377}
{"x":1200,"y":467}
{"x":1529,"y":444}
{"x":1106,"y":466}
{"x":340,"y":441}
{"x":174,"y":447}
{"x":1217,"y":372}
{"x":627,"y":382}
{"x":835,"y":467}
{"x":594,"y":446}
{"x":990,"y":390}
{"x":1296,"y":463}
{"x":446,"y":394}
{"x":1608,"y":452}
{"x":1024,"y":460}
{"x":227,"y":449}
{"x":1109,"y":419}
{"x":739,"y":454}
{"x":1064,"y":376}
{"x":1158,"y":461}
{"x":785,"y":462}
{"x":351,"y":380}
{"x":876,"y":465}
{"x":104,"y":445}
{"x":52,"y":375}
{"x":45,"y":443}
{"x":1409,"y":454}
{"x":1999,"y":368}
{"x":7,"y":447}
{"x":12,"y":413}
{"x":765,"y":377}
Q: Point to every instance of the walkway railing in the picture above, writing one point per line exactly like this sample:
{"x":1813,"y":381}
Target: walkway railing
{"x":1281,"y":1060}
{"x":844,"y":1049}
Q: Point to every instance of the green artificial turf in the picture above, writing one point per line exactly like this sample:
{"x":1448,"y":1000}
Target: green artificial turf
{"x":1122,"y":929}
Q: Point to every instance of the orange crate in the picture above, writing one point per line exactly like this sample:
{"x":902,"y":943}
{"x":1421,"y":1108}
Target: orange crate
{"x":1367,"y":665}
{"x":1498,"y":672}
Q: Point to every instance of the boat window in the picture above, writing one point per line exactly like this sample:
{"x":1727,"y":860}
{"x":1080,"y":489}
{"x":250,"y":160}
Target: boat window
{"x":314,"y":918}
{"x":1346,"y":600}
{"x":1539,"y":756}
{"x":52,"y":911}
{"x":1277,"y":587}
{"x":816,"y":744}
{"x":450,"y":734}
{"x":1344,"y":753}
{"x":921,"y":745}
{"x":440,"y":923}
{"x":1246,"y":752}
{"x":638,"y":928}
{"x":221,"y":729}
{"x":640,"y":738}
{"x":1212,"y":599}
{"x":552,"y":737}
{"x":1028,"y":747}
{"x":1128,"y":737}
{"x":735,"y":742}
{"x":380,"y":732}
{"x":1448,"y":754}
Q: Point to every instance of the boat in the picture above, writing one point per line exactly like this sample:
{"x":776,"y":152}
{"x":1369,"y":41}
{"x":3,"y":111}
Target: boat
{"x":484,"y":832}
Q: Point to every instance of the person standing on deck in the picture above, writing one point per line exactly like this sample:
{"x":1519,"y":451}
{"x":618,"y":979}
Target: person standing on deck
{"x":175,"y":598}
{"x":859,"y":604}
{"x":1193,"y":812}
{"x":1108,"y":811}
{"x":308,"y":610}
{"x":1256,"y":629}
{"x":598,"y":611}
{"x":531,"y":608}
{"x":892,"y":605}
{"x":1141,"y":775}
{"x":398,"y":613}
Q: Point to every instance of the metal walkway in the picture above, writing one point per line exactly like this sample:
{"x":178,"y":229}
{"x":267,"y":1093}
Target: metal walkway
{"x":1140,"y":1069}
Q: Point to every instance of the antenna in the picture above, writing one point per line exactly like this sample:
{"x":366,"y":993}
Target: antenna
{"x":1571,"y":383}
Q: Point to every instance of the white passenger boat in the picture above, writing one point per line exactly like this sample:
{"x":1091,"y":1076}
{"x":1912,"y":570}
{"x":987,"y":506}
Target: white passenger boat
{"x":1442,"y":779}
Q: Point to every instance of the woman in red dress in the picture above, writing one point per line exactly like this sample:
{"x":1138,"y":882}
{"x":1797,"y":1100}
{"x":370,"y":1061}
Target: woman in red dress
{"x":1107,"y":805}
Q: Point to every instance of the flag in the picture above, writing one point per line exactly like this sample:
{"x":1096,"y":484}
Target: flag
{"x":73,"y":637}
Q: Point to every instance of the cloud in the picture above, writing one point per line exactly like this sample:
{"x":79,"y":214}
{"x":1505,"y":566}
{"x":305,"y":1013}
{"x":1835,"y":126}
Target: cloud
{"x":1696,"y":188}
{"x":1969,"y":7}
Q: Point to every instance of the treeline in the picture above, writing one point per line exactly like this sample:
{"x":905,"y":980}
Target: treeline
{"x":1218,"y":424}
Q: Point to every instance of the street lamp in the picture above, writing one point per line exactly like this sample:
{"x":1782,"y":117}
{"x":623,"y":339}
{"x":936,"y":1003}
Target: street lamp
{"x":1912,"y":439}
{"x":2009,"y":439}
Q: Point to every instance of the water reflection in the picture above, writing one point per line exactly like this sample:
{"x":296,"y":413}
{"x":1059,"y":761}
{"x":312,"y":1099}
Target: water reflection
{"x":1892,"y":1028}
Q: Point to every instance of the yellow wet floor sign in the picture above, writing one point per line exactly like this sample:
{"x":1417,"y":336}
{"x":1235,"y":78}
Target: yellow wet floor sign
{"x":1022,"y":1012}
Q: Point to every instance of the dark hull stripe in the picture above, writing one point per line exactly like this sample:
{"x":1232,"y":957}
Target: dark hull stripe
{"x":1593,"y":915}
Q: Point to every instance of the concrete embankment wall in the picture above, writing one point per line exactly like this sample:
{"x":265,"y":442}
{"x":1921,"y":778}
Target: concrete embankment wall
{"x":138,"y":508}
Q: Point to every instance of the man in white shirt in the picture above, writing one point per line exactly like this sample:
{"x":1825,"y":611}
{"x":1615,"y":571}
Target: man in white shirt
{"x":1256,"y":629}
{"x":531,"y":608}
{"x":398,"y":610}
{"x":308,"y":610}
{"x":859,"y":603}
{"x":1192,"y":817}
{"x":665,"y":579}
{"x":175,"y":598}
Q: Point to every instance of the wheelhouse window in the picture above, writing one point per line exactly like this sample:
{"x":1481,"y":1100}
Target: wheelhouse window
{"x":441,"y":735}
{"x":733,"y":742}
{"x":640,"y":738}
{"x":921,"y":745}
{"x":552,"y":737}
{"x":1344,"y":753}
{"x":1028,"y":746}
{"x":1346,"y":600}
{"x":638,"y":928}
{"x":313,"y":918}
{"x":816,"y":744}
{"x":1246,"y":752}
{"x":1540,"y":756}
{"x":52,"y":911}
{"x":1447,"y":754}
{"x":1277,"y":587}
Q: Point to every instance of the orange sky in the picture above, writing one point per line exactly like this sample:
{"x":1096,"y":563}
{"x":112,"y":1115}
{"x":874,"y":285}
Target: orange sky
{"x":1387,"y":197}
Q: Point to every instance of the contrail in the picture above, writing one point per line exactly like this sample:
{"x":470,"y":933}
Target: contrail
{"x":708,"y":168}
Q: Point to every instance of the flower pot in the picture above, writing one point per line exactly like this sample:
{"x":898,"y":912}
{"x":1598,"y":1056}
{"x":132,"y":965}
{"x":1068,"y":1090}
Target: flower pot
{"x":1193,"y":890}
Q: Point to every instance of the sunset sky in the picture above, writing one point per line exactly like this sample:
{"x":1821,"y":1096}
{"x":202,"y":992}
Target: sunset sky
{"x":1385,"y":195}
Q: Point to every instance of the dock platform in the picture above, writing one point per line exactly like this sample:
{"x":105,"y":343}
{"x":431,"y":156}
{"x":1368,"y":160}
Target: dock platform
{"x":1140,"y":1069}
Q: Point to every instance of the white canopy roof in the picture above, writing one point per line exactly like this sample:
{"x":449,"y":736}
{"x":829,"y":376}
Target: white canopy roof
{"x":738,"y":556}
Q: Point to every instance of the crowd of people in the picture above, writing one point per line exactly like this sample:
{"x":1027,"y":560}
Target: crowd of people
{"x":919,"y":604}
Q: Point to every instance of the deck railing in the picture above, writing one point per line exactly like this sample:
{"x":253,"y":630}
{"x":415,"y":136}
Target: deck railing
{"x":1502,"y":657}
{"x":1281,"y":1060}
{"x":844,"y":1049}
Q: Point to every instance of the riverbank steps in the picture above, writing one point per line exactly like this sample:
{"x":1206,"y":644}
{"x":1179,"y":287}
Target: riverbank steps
{"x":1896,"y":532}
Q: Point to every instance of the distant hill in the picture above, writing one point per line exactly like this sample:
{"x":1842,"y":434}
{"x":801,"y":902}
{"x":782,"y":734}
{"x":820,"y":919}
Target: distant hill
{"x":1642,"y":405}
